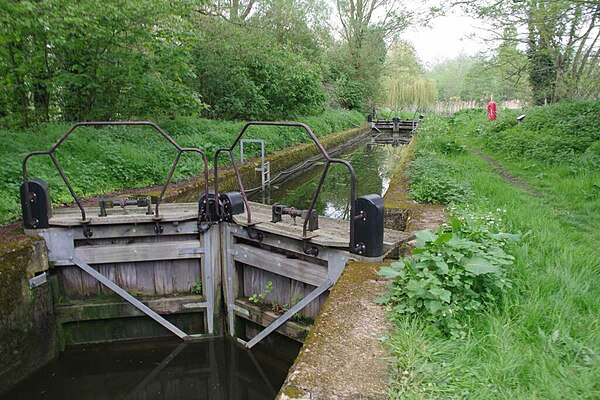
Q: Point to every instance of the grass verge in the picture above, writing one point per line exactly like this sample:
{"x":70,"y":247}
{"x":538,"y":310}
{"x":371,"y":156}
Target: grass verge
{"x":542,"y":338}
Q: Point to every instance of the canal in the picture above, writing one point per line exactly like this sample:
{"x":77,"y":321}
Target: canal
{"x":214,"y":369}
{"x":374,"y":167}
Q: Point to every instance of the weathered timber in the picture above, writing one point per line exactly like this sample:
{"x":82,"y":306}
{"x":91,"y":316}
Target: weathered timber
{"x":125,"y":295}
{"x":86,"y":311}
{"x":135,"y":230}
{"x":277,"y":241}
{"x":211,"y":279}
{"x":331,"y":232}
{"x":285,"y":291}
{"x":292,"y":329}
{"x":288,"y":314}
{"x":144,"y":278}
{"x":296,"y":269}
{"x":136,"y":252}
{"x":176,"y":212}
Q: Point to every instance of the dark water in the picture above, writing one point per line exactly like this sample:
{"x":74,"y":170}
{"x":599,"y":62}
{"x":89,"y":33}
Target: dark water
{"x":373,"y":168}
{"x":216,"y":369}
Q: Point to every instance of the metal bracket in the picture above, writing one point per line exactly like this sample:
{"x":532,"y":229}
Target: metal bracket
{"x":158,"y":228}
{"x":255,"y":234}
{"x":277,"y":210}
{"x":111,"y":203}
{"x":38,"y":280}
{"x":309,"y":250}
{"x":87,"y":232}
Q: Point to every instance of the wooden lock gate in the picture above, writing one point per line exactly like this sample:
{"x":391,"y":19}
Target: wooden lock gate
{"x":186,"y":260}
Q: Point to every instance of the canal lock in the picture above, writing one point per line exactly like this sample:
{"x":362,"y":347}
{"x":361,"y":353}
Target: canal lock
{"x":375,"y":166}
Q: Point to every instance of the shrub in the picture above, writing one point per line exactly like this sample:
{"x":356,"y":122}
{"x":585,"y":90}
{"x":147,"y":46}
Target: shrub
{"x":432,"y":182}
{"x":554,"y":134}
{"x":460,"y":270}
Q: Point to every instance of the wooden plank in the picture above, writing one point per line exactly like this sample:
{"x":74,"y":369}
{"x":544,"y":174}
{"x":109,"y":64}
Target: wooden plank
{"x":291,"y":329}
{"x":213,"y":264}
{"x":296,"y":269}
{"x":84,"y":311}
{"x":331,"y":232}
{"x":144,"y":283}
{"x":109,"y":271}
{"x":70,"y":279}
{"x":292,"y":245}
{"x":136,"y":230}
{"x":183,"y":281}
{"x":297,"y":294}
{"x":126,"y":275}
{"x":169,"y":250}
{"x":252,"y":281}
{"x":298,"y":291}
{"x":314,"y":307}
{"x":89,"y":285}
{"x":168,"y":212}
{"x":281,"y":291}
{"x":163,"y":277}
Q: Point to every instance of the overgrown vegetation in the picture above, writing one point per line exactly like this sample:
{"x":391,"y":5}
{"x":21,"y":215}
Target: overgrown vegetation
{"x":566,"y":133}
{"x":103,"y":160}
{"x":459,"y":270}
{"x":258,"y":298}
{"x":540,"y":336}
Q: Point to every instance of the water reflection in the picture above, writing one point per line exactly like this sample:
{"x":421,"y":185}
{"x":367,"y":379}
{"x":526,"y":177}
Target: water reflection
{"x":216,"y":369}
{"x":374,"y":167}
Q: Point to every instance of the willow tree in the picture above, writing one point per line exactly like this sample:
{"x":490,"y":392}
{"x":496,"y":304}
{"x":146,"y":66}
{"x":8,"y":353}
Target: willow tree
{"x":418,"y":94}
{"x":404,"y":83}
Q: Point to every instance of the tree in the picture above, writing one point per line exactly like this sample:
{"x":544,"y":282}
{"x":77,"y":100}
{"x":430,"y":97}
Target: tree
{"x":298,"y":25}
{"x":234,"y":11}
{"x":364,"y":35}
{"x":88,"y":60}
{"x":450,"y":76}
{"x":404,"y":82}
{"x":244,"y":73}
{"x":562,"y":39}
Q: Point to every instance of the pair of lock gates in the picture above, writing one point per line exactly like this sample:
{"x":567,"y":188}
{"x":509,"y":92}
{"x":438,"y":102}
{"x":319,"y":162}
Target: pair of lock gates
{"x":140,"y":268}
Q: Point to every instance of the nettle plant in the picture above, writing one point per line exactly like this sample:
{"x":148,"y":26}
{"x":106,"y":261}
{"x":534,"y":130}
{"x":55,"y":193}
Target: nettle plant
{"x":459,"y":270}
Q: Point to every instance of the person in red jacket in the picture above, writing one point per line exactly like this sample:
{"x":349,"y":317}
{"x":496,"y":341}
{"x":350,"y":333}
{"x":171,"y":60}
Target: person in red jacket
{"x":492,"y":109}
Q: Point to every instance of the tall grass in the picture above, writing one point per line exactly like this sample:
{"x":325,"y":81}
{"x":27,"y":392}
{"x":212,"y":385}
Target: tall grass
{"x":543,"y":340}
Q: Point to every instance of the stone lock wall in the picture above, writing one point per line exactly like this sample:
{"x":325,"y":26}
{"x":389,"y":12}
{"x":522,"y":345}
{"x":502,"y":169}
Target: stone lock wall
{"x":28,"y":337}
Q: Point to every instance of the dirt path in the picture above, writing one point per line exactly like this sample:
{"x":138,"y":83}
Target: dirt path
{"x":500,"y":170}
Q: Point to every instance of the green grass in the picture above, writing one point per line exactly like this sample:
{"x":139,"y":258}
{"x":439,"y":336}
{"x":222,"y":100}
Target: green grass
{"x":543,"y":339}
{"x":104,"y":160}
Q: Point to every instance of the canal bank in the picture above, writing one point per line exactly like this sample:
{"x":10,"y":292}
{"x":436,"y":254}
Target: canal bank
{"x":343,"y":356}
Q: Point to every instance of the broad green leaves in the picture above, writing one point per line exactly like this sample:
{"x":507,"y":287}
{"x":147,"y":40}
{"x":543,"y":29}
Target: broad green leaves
{"x":452,"y":272}
{"x":480,"y":266}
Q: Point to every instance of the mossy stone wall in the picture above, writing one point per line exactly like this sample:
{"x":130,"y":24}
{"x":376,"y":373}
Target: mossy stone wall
{"x":27,"y":326}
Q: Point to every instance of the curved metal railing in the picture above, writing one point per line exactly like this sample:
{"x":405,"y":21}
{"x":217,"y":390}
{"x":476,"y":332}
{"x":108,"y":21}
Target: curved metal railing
{"x":50,"y":153}
{"x":328,"y":161}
